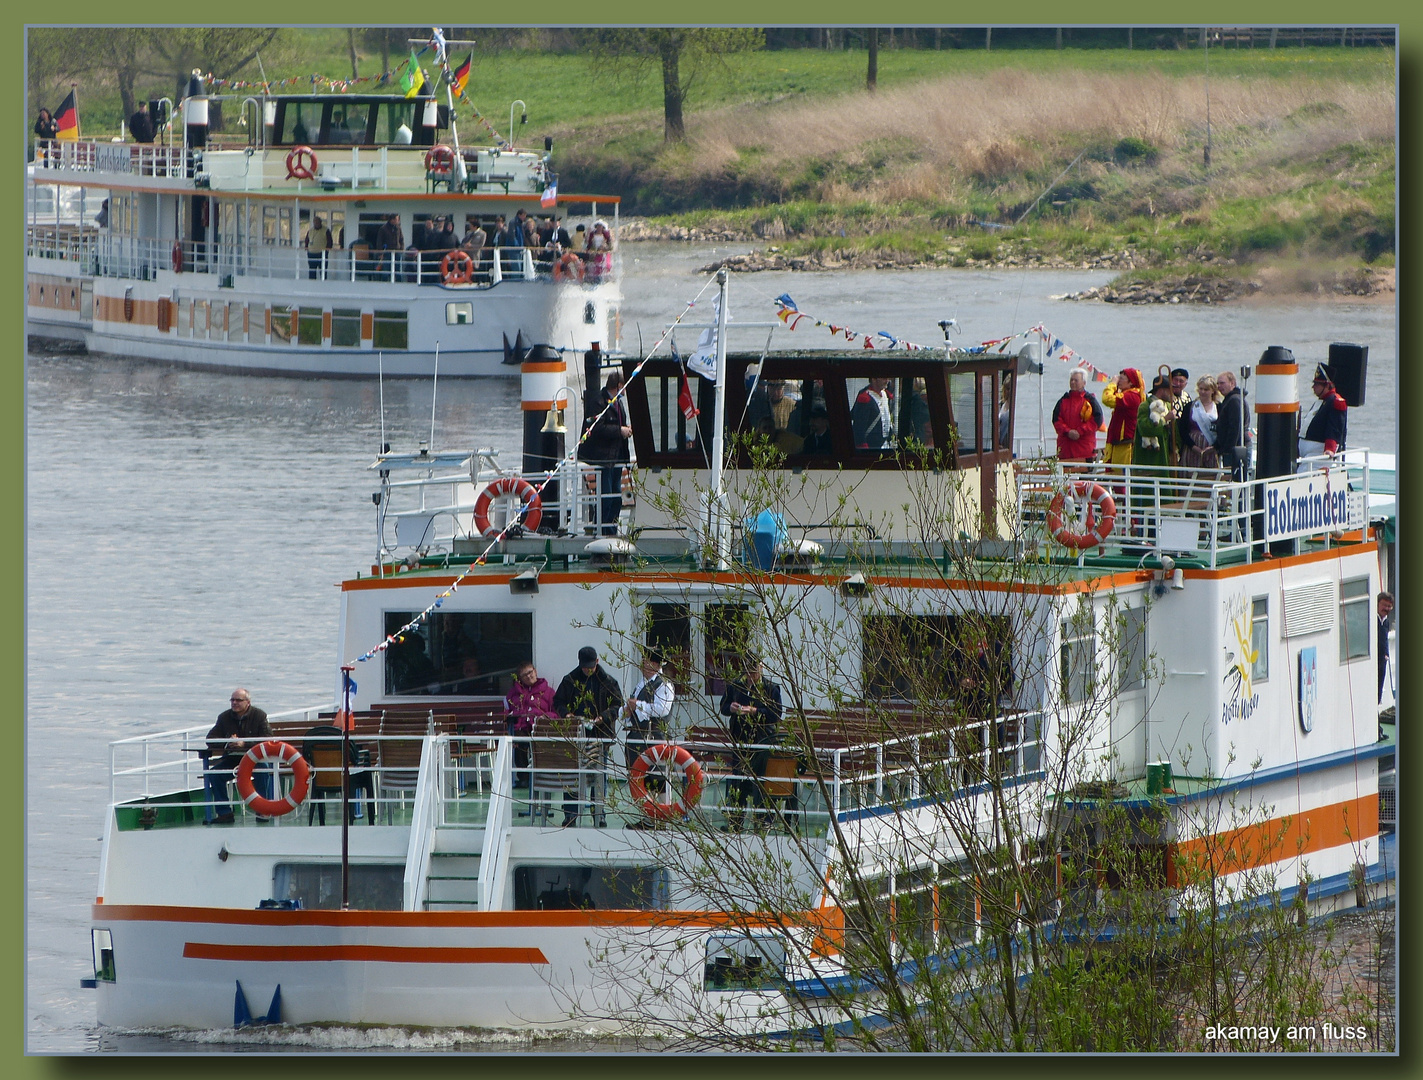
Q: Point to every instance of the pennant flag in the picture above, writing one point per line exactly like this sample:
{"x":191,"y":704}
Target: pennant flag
{"x":868,"y":343}
{"x":786,"y":302}
{"x":412,"y":79}
{"x":684,"y":399}
{"x":461,"y":75}
{"x":67,"y":118}
{"x":437,"y":38}
{"x":703,"y":358}
{"x":550,"y":195}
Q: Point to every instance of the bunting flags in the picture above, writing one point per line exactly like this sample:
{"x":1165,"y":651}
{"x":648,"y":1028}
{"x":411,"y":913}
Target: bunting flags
{"x":412,"y":79}
{"x":66,"y":117}
{"x":461,"y":75}
{"x":684,"y":400}
{"x":790,"y":314}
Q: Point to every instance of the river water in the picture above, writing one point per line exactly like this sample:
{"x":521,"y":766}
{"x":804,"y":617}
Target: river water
{"x":185,"y":531}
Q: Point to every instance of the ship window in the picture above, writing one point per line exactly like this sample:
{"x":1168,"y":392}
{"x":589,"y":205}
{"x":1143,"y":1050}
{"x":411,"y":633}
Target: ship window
{"x":102,"y":943}
{"x":309,"y":326}
{"x":1353,"y":619}
{"x":1131,"y":650}
{"x":963,"y":397}
{"x":283,"y":324}
{"x":672,"y":431}
{"x":200,"y":318}
{"x":346,"y":326}
{"x":348,"y":122}
{"x":458,"y":653}
{"x":938,"y":658}
{"x":669,"y":630}
{"x":318,"y":885}
{"x":217,"y":321}
{"x":301,"y":123}
{"x":1260,"y":638}
{"x":391,"y":118}
{"x":392,"y":330}
{"x":874,"y":413}
{"x":571,"y":887}
{"x":726,"y":631}
{"x":459,"y":313}
{"x":1077,"y":658}
{"x":745,"y":962}
{"x":234,"y":321}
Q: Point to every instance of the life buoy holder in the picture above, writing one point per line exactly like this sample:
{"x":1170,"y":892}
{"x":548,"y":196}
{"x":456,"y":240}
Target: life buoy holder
{"x":1099,"y":510}
{"x":681,"y":759}
{"x":570,"y":266}
{"x":439,"y":160}
{"x":177,"y":256}
{"x":508,"y":485}
{"x":301,"y":163}
{"x":457,"y":268}
{"x":262,"y":754}
{"x":165,"y":314}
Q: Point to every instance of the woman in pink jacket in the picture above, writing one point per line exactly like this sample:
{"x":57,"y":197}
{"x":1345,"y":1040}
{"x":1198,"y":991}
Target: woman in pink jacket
{"x":528,"y":699}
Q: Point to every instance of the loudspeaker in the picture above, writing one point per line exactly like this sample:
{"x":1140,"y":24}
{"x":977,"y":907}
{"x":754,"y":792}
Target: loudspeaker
{"x":1349,"y":363}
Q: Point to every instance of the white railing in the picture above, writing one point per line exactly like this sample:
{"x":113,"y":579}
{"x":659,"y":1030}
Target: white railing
{"x":89,"y":156}
{"x":493,"y":860}
{"x":69,"y":242}
{"x":429,"y":793}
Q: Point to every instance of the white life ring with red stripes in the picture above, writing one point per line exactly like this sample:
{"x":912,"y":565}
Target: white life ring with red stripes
{"x":262,"y":754}
{"x":301,"y":163}
{"x":681,"y":759}
{"x":1099,"y":515}
{"x":508,"y":485}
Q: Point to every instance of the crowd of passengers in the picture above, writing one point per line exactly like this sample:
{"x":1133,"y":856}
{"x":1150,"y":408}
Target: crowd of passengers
{"x":586,"y":254}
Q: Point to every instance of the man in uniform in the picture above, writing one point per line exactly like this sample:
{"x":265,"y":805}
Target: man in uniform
{"x":1330,"y":424}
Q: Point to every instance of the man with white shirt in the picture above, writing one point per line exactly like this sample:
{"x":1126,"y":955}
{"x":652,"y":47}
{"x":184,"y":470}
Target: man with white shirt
{"x":648,"y":707}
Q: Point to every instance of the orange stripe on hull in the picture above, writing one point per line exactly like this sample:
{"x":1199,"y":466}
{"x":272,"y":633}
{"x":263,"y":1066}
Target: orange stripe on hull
{"x":1286,"y":837}
{"x":384,"y":954}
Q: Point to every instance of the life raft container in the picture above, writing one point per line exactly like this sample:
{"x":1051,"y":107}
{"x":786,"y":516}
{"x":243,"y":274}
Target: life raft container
{"x":568,"y":268}
{"x":508,"y":485}
{"x":264,"y":753}
{"x":301,"y":163}
{"x":1100,"y":515}
{"x":681,"y":759}
{"x":457,"y":268}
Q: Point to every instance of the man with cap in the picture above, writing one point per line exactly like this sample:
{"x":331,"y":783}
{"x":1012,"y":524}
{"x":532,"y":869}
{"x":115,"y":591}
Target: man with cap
{"x":648,"y":706}
{"x":753,"y":704}
{"x":1330,"y":423}
{"x":590,"y":695}
{"x":1180,"y":392}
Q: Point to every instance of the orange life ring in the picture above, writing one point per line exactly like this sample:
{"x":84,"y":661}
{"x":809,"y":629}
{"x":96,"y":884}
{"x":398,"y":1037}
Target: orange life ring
{"x":457,"y":268}
{"x":177,"y":256}
{"x":569,"y":266}
{"x":301,"y":163}
{"x":1100,"y":515}
{"x":508,"y":485}
{"x":681,"y":758}
{"x":439,"y":160}
{"x":262,"y":754}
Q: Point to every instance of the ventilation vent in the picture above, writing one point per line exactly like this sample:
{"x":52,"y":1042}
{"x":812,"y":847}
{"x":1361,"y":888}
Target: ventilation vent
{"x":1309,"y":609}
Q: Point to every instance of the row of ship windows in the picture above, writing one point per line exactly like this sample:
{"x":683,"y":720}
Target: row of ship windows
{"x":291,"y":325}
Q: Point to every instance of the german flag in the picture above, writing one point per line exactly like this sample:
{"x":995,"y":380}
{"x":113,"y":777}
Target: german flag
{"x":66,"y":118}
{"x":461,"y":75}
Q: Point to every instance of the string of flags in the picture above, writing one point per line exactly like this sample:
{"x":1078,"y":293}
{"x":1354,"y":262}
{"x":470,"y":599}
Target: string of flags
{"x":415,"y":623}
{"x":1054,"y":348}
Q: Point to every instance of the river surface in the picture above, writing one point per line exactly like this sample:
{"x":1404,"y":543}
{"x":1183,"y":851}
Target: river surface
{"x":186,"y":531}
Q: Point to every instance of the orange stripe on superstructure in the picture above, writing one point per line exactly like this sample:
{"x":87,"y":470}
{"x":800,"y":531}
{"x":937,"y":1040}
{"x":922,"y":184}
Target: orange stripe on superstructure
{"x":531,"y":920}
{"x":556,"y":367}
{"x":384,"y":954}
{"x":1285,"y":837}
{"x":1276,"y":407}
{"x":1276,"y":369}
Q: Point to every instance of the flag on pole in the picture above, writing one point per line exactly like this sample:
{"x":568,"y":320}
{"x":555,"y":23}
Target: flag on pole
{"x":66,"y":118}
{"x":684,"y":399}
{"x":461,"y":75}
{"x":412,"y":79}
{"x":703,"y":358}
{"x":550,"y":195}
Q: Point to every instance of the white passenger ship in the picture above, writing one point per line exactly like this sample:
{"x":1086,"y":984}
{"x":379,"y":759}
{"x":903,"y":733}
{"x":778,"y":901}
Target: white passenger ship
{"x":466,"y":903}
{"x":200,"y":257}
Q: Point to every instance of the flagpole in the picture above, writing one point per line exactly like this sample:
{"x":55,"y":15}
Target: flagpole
{"x":721,"y":544}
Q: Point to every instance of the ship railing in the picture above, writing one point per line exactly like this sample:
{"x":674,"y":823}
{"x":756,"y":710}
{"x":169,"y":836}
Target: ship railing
{"x":424,"y":817}
{"x":68,"y":241}
{"x":1202,"y":513}
{"x":92,"y":156}
{"x":434,"y":511}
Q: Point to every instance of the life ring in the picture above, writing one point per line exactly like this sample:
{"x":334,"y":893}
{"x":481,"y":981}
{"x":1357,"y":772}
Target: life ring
{"x":569,"y":266}
{"x":457,"y":268}
{"x":262,"y":754}
{"x":508,"y":485}
{"x":681,"y":758}
{"x":1100,"y":516}
{"x":439,"y":160}
{"x":301,"y":163}
{"x":177,"y":256}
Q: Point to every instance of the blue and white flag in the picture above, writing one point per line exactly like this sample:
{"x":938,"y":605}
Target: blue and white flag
{"x":550,"y":195}
{"x":703,"y":358}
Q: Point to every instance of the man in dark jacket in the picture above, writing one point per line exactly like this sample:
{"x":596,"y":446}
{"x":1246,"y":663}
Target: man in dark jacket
{"x":754,"y":705}
{"x":872,"y":416}
{"x":1329,"y":426}
{"x":141,"y":124}
{"x":606,"y":445}
{"x":590,"y":694}
{"x":237,"y":730}
{"x":1232,"y":427}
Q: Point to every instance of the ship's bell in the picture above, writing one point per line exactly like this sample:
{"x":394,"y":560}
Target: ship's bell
{"x":555,"y":425}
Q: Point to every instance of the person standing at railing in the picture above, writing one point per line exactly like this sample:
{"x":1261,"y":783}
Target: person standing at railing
{"x":529,"y":699}
{"x":389,"y":239}
{"x":1077,"y":417}
{"x":46,"y":131}
{"x":754,"y":705}
{"x":317,"y":244}
{"x":1155,"y":439}
{"x":1198,"y":427}
{"x":1329,"y":426}
{"x":1232,"y":429}
{"x":237,"y":730}
{"x":591,"y":696}
{"x":141,"y":124}
{"x":1124,"y":398}
{"x":1385,"y":612}
{"x":648,"y":707}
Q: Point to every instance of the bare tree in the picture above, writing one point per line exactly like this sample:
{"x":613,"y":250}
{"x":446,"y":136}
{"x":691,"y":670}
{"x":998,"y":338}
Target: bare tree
{"x":872,"y":71}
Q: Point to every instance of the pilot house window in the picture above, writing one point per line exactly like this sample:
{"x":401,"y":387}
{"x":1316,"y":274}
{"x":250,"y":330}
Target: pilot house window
{"x":457,"y":653}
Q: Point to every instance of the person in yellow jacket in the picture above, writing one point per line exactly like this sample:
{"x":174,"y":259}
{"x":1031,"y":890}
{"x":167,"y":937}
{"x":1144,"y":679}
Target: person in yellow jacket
{"x":1124,"y":398}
